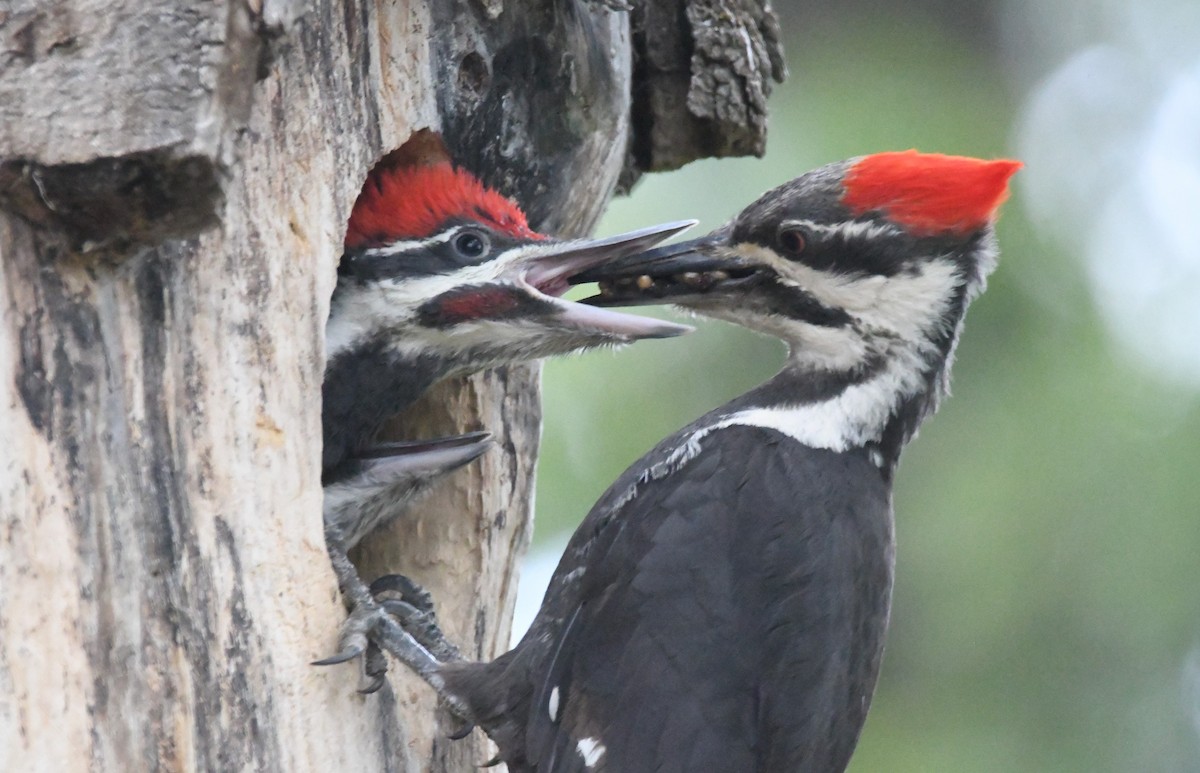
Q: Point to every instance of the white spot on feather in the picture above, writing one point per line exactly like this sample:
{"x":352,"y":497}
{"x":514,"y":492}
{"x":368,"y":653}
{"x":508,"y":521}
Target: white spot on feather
{"x":552,"y":707}
{"x":591,"y":750}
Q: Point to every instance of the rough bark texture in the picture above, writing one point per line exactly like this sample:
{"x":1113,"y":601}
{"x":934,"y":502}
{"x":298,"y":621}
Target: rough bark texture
{"x":703,"y":70}
{"x":174,"y":184}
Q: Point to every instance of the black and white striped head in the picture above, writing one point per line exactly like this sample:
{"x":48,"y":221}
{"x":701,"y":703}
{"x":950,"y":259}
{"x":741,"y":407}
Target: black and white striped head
{"x":863,"y":267}
{"x":439,"y":266}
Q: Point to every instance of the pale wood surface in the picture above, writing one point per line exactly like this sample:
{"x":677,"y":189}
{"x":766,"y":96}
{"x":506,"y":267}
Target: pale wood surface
{"x":174,"y":183}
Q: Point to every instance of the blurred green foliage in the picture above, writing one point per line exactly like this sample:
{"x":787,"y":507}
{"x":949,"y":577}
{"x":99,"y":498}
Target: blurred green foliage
{"x":1046,"y":610}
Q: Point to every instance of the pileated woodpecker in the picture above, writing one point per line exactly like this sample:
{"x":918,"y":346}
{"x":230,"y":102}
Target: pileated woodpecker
{"x":723,"y":606}
{"x":440,"y":277}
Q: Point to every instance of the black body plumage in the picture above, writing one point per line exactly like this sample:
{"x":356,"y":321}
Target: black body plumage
{"x":723,"y":607}
{"x":726,"y":616}
{"x":362,"y":388}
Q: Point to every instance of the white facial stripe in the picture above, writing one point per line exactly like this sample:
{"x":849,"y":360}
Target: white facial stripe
{"x":855,"y":417}
{"x":907,"y":304}
{"x":397,"y":248}
{"x":860,"y":412}
{"x":817,"y":347}
{"x":408,"y":293}
{"x":493,"y":334}
{"x":591,"y":750}
{"x":890,"y":313}
{"x":348,"y":323}
{"x":392,"y":303}
{"x":854,"y":229}
{"x":827,"y":348}
{"x":896,"y":318}
{"x":904,"y":304}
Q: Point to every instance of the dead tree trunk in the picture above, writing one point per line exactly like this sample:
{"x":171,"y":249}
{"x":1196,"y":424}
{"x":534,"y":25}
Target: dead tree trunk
{"x":174,"y":184}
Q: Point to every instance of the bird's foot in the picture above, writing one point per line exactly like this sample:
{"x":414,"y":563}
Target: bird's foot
{"x":412,"y":606}
{"x":371,"y":630}
{"x":358,"y":638}
{"x":374,"y":628}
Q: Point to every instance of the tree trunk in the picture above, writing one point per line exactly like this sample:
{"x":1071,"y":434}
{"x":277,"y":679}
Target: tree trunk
{"x":173,"y":196}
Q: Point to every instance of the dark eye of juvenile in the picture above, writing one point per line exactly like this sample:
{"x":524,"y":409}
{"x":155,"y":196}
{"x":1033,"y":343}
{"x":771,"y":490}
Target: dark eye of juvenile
{"x":470,"y":244}
{"x":792,"y":241}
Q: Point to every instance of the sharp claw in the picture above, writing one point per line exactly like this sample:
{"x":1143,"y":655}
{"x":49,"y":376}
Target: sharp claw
{"x":371,"y":629}
{"x":350,"y":653}
{"x":462,"y":732}
{"x":374,"y":667}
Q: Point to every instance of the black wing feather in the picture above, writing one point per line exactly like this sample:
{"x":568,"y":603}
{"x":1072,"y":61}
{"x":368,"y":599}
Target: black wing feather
{"x":716,"y":617}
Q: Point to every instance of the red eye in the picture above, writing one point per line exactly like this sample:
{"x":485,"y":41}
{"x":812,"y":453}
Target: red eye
{"x":792,"y":240}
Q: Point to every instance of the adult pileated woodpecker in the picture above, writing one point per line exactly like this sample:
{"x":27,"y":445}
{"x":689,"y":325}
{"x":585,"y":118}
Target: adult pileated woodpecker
{"x":723,"y":606}
{"x":440,"y":277}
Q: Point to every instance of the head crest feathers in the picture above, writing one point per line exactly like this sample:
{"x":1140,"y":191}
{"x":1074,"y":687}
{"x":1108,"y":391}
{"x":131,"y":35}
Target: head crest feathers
{"x":413,"y":202}
{"x":929,"y":193}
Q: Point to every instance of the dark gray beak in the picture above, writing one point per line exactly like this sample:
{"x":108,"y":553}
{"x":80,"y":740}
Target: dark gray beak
{"x":672,"y":274}
{"x":553,"y":269}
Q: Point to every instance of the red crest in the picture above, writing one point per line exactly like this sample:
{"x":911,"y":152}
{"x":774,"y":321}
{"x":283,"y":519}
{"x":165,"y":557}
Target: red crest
{"x":412,"y":202}
{"x":929,"y":193}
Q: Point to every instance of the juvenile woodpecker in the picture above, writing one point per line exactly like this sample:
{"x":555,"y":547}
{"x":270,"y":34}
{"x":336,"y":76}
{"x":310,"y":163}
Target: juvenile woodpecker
{"x":723,"y":606}
{"x":440,"y":277}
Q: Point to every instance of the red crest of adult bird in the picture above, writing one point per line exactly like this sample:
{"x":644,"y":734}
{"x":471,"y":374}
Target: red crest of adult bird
{"x":723,"y":606}
{"x":440,"y":276}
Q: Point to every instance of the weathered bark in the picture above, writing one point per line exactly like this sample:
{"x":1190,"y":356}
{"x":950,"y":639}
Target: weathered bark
{"x":174,"y":185}
{"x":703,"y":70}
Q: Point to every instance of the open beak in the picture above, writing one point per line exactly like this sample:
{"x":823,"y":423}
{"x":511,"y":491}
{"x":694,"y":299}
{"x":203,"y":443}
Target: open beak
{"x":553,"y":268}
{"x":677,"y":273}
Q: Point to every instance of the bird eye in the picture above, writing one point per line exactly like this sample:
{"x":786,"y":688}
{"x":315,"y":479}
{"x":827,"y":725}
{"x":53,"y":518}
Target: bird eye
{"x":471,"y":244}
{"x":792,"y":240}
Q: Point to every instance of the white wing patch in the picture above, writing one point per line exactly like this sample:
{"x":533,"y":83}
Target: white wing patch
{"x":552,"y":705}
{"x":591,"y":750}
